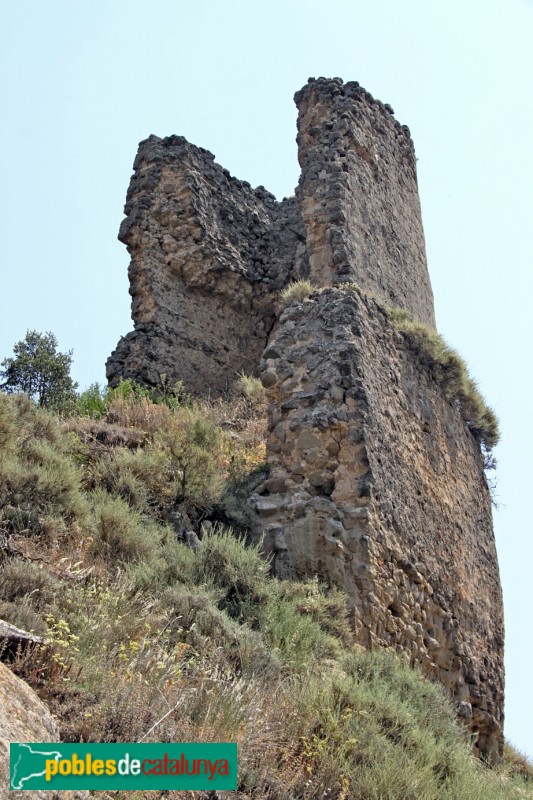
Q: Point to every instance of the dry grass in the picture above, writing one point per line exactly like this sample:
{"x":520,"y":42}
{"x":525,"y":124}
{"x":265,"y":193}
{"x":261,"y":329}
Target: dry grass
{"x":518,"y":761}
{"x":251,"y":389}
{"x":297,"y":292}
{"x":451,"y":373}
{"x":147,"y":639}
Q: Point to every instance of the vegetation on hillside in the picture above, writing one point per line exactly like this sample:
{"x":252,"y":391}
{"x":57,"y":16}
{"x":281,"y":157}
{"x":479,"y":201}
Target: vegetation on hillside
{"x":147,"y":638}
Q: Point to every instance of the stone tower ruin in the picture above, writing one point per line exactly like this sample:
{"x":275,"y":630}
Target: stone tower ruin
{"x":376,"y":484}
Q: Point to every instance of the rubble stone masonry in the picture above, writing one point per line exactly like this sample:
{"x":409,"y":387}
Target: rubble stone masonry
{"x":376,"y":484}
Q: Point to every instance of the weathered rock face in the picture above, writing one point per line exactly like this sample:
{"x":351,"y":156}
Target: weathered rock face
{"x":377,"y":486}
{"x":24,"y":718}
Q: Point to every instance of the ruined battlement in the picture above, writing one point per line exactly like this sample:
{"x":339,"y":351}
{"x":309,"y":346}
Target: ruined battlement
{"x":209,"y":254}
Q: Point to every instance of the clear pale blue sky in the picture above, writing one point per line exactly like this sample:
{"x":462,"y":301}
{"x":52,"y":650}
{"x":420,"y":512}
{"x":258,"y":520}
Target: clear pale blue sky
{"x":83,"y":82}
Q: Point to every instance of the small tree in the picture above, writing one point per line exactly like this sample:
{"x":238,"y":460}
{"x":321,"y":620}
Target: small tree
{"x":196,"y":448}
{"x":39,"y":370}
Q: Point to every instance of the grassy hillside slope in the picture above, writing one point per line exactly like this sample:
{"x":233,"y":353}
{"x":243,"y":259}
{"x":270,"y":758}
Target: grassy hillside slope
{"x":149,"y":638}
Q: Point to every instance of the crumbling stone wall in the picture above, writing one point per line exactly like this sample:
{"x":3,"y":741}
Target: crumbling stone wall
{"x":376,"y":483}
{"x":377,"y":486}
{"x":358,"y":196}
{"x":209,"y":255}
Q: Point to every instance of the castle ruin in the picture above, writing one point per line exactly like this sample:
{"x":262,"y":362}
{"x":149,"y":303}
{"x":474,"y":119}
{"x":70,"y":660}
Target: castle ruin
{"x":376,"y":484}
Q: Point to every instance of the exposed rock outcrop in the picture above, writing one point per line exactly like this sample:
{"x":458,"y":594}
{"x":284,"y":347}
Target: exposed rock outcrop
{"x":24,"y":718}
{"x":376,"y":483}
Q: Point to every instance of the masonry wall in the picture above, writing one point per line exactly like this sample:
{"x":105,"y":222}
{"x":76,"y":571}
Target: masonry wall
{"x":358,"y":195}
{"x":209,"y":256}
{"x":377,"y":486}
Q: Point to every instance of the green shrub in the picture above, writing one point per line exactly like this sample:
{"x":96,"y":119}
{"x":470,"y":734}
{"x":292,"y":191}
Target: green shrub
{"x":34,"y":422}
{"x":326,"y":605}
{"x":8,"y":424}
{"x":297,"y":292}
{"x":131,"y":489}
{"x":54,"y":481}
{"x":209,"y":630}
{"x":377,"y":729}
{"x":92,"y":402}
{"x":127,"y":390}
{"x":196,"y":448}
{"x":171,"y":395}
{"x":238,"y":573}
{"x":24,"y":579}
{"x":296,"y":637}
{"x":122,"y":533}
{"x":169,"y":564}
{"x":393,"y":684}
{"x":292,"y":622}
{"x":22,"y":614}
{"x":142,"y":477}
{"x":40,"y":486}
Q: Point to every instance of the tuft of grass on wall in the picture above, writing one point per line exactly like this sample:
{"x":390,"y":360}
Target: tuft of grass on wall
{"x":297,"y":292}
{"x":451,"y":373}
{"x":250,"y":388}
